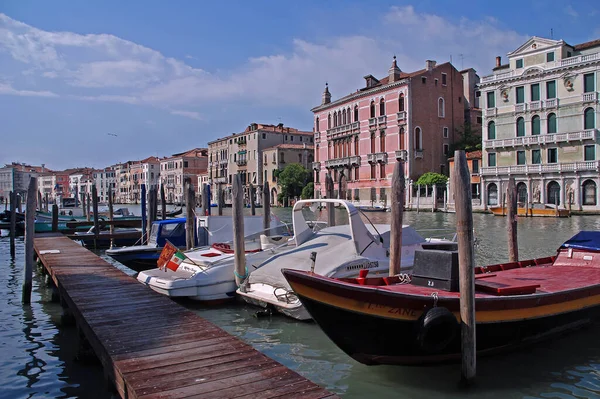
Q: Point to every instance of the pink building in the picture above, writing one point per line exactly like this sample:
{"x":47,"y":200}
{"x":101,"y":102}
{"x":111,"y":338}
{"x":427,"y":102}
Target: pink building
{"x":359,"y":136}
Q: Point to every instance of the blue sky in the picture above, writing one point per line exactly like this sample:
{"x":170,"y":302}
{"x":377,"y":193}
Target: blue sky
{"x":165,"y":77}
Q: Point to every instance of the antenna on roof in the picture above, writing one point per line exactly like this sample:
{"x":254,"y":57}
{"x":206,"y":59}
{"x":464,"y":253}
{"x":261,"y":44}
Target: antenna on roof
{"x":551,"y":33}
{"x":462,"y":58}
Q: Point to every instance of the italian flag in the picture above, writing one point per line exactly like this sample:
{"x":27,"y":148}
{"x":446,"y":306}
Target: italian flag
{"x":175,"y":260}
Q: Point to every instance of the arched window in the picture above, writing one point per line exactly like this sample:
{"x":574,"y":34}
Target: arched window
{"x":282,"y":158}
{"x":381,"y":141}
{"x":520,"y":127}
{"x":522,"y":193}
{"x":310,"y":158}
{"x":356,"y":145}
{"x":317,"y":123}
{"x":349,"y":115}
{"x":356,"y":113}
{"x":335,"y":119}
{"x":372,"y":143}
{"x":266,"y":175}
{"x":535,"y":125}
{"x":441,"y":108}
{"x":343,"y":117}
{"x":274,"y":177}
{"x":372,"y":109}
{"x":329,"y":121}
{"x":491,"y":130}
{"x":553,"y":193}
{"x":401,"y":102}
{"x":381,"y":107}
{"x":589,"y":192}
{"x":589,"y":121}
{"x":551,"y":123}
{"x":492,"y":194}
{"x":299,"y":158}
{"x":418,"y":138}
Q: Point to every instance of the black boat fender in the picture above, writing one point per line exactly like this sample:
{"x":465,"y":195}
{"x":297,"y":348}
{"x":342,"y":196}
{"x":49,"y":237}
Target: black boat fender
{"x":437,"y":327}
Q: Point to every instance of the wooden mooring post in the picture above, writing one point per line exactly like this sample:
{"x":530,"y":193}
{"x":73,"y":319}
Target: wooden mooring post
{"x":54,"y":218}
{"x":163,"y":202}
{"x":110,"y":215}
{"x":239,"y":249}
{"x":152,"y":210}
{"x":220,"y":200}
{"x":205,"y":200}
{"x":95,"y":210}
{"x":190,"y":202}
{"x":89,"y":206}
{"x":143,"y":211}
{"x":29,"y":232}
{"x":397,"y":208}
{"x":329,"y":194}
{"x":252,"y":201}
{"x":266,"y":209}
{"x":464,"y":230}
{"x":39,"y":201}
{"x":513,"y":246}
{"x":13,"y":222}
{"x":46,"y":202}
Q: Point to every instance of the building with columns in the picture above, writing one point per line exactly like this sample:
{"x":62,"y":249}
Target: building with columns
{"x":541,"y":116}
{"x":358,"y":137}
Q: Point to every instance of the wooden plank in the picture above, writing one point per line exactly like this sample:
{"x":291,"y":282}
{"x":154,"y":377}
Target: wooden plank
{"x":302,"y":389}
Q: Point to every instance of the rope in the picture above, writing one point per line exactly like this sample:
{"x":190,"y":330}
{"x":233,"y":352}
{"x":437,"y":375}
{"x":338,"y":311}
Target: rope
{"x":244,"y":276}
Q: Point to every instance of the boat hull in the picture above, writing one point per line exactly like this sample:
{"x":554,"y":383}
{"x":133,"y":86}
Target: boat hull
{"x":137,"y":261}
{"x":533,"y":212}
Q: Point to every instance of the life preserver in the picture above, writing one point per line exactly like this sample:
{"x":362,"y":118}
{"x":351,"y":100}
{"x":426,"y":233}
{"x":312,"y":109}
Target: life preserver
{"x":437,"y":327}
{"x":226,"y":248}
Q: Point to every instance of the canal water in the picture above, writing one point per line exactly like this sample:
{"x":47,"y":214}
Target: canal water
{"x":38,"y":357}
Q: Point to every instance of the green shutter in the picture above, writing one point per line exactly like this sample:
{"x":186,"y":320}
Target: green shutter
{"x":536,"y":157}
{"x":588,"y":82}
{"x":551,"y":89}
{"x":519,"y":63}
{"x":491,"y":99}
{"x":520,"y":94}
{"x":492,"y":159}
{"x":535,"y":125}
{"x":590,"y":153}
{"x":589,"y":122}
{"x":552,"y":123}
{"x":535,"y":92}
{"x":550,"y":56}
{"x":520,"y":127}
{"x":491,"y":131}
{"x":520,"y":157}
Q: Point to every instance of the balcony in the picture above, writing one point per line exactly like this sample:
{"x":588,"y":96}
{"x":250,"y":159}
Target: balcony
{"x":590,"y":97}
{"x":343,"y":162}
{"x":377,"y":157}
{"x":372,"y":122}
{"x":220,"y":180}
{"x":401,"y":154}
{"x":316,"y":165}
{"x":520,"y":108}
{"x":344,"y":130}
{"x":401,"y":117}
{"x":541,"y":168}
{"x":241,"y":162}
{"x":223,"y":161}
{"x":419,"y":153}
{"x":554,"y":138}
{"x":490,"y":112}
{"x":242,"y":141}
{"x":317,"y":136}
{"x":551,"y":103}
{"x":382,"y":121}
{"x":535,"y":106}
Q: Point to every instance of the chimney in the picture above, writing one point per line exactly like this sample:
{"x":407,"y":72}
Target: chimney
{"x":43,"y":167}
{"x":429,"y":65}
{"x":498,"y":61}
{"x":326,"y":95}
{"x":394,"y":72}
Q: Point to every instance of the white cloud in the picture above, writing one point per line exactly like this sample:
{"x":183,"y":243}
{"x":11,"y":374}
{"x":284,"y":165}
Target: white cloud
{"x":102,"y":67}
{"x":571,"y":11}
{"x":7,"y":89}
{"x":187,"y":114}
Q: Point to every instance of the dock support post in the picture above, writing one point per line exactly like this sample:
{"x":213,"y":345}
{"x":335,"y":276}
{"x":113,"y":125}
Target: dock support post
{"x":418,"y":197}
{"x":556,"y":205}
{"x":220,"y":200}
{"x":46,"y":202}
{"x":252,"y":202}
{"x":19,"y":204}
{"x":29,"y":232}
{"x":13,"y":222}
{"x":163,"y":203}
{"x":39,"y":200}
{"x":144,"y":220}
{"x":513,"y":246}
{"x":95,"y":210}
{"x":89,"y":205}
{"x":464,"y":230}
{"x":329,"y":194}
{"x":205,"y":200}
{"x":239,"y":249}
{"x":266,"y":209}
{"x":110,"y":215}
{"x":151,"y":211}
{"x":397,"y":206}
{"x":190,"y":202}
{"x":54,"y":218}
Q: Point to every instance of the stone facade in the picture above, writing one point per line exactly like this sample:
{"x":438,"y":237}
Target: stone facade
{"x":541,"y":115}
{"x":179,"y":169}
{"x":359,"y":137}
{"x":278,"y":157}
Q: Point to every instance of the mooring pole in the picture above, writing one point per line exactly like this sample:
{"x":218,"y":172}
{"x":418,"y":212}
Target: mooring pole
{"x":54,"y":218}
{"x":556,"y":204}
{"x":95,"y":210}
{"x":151,"y":211}
{"x":29,"y":232}
{"x":329,"y":194}
{"x":220,"y":200}
{"x":239,"y":249}
{"x":397,"y":205}
{"x":144,"y":220}
{"x":110,"y":216}
{"x":513,"y":246}
{"x":464,"y":230}
{"x":46,"y":202}
{"x":39,"y":200}
{"x":163,"y":203}
{"x":190,"y":202}
{"x":266,"y":209}
{"x":13,"y":222}
{"x":252,"y":202}
{"x":89,"y":206}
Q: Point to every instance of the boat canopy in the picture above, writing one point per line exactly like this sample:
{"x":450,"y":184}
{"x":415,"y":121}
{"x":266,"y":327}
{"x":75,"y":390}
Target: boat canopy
{"x":169,"y":221}
{"x":589,"y":240}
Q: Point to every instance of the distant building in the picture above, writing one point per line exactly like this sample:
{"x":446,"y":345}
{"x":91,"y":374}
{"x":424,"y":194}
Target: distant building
{"x":276,"y":158}
{"x":15,"y":177}
{"x":358,"y":137}
{"x":182,"y":168}
{"x":474,"y":164}
{"x":541,"y":124}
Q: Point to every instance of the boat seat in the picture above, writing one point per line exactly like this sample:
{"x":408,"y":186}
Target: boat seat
{"x":502,"y":286}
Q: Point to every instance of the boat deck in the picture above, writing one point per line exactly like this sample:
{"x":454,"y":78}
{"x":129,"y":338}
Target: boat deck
{"x":152,"y":347}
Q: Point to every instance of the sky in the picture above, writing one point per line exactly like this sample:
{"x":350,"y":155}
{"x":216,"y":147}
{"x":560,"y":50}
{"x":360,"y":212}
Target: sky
{"x":97,"y":82}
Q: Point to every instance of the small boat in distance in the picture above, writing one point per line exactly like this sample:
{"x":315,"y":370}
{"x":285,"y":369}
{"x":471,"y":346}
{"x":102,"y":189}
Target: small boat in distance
{"x":541,"y":210}
{"x":415,"y":320}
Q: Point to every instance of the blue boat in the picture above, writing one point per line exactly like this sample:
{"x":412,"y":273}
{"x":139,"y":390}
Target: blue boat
{"x":144,"y":257}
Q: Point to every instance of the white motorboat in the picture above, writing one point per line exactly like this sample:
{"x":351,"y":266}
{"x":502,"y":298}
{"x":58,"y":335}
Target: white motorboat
{"x":336,"y":251}
{"x":207,"y":273}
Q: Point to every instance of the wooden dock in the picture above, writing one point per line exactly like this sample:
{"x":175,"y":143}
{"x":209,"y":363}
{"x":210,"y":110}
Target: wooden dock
{"x":150,"y":346}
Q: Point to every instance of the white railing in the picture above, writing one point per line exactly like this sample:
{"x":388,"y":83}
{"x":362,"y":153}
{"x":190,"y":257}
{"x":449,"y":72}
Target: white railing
{"x":220,"y":180}
{"x":419,"y":153}
{"x":317,"y":136}
{"x":520,"y":107}
{"x":551,"y":103}
{"x":347,"y":128}
{"x":401,"y":116}
{"x":345,"y":161}
{"x":589,"y":97}
{"x":381,"y":157}
{"x":535,"y":105}
{"x":381,"y":120}
{"x":372,"y":122}
{"x":490,"y":111}
{"x":223,"y":161}
{"x":316,"y":165}
{"x":554,"y":138}
{"x":541,"y":168}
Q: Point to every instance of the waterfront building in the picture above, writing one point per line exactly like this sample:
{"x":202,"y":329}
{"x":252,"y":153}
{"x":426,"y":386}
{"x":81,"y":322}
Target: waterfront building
{"x":242,"y":153}
{"x":541,"y":116}
{"x":15,"y":177}
{"x":146,"y":171}
{"x":474,"y":164}
{"x":358,"y":137}
{"x":276,"y":158}
{"x":179,"y":169}
{"x":104,"y":178}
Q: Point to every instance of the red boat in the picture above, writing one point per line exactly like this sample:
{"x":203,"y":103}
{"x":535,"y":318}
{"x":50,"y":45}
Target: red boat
{"x":415,"y":320}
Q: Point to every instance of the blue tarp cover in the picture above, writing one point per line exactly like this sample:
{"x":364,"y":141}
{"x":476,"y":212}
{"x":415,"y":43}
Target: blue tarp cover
{"x":584,"y":240}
